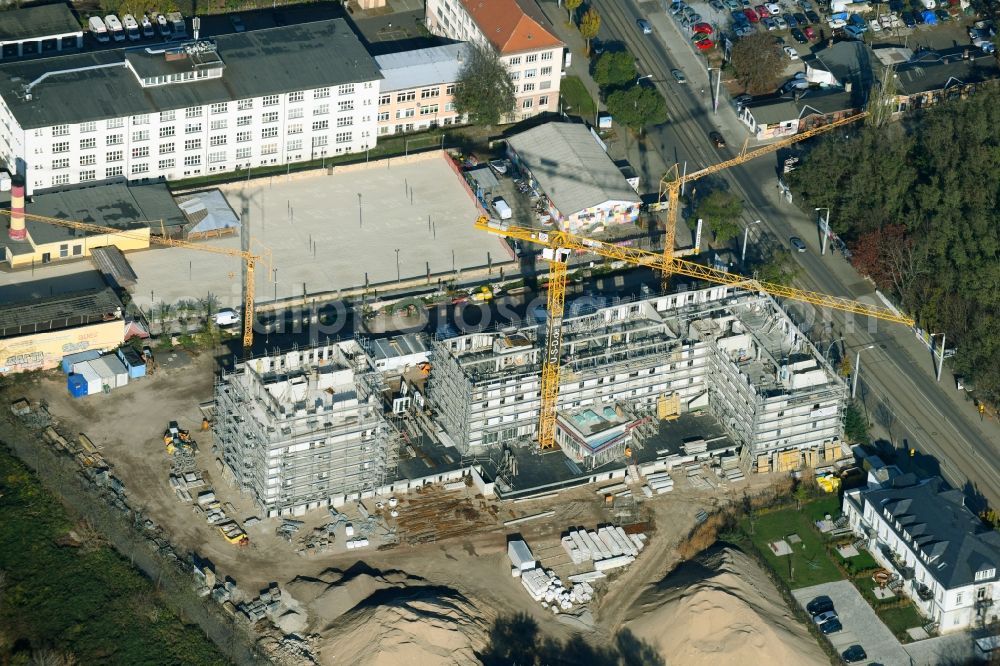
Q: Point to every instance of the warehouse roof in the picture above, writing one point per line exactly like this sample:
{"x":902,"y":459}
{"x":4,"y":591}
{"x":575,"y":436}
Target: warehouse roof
{"x":60,"y":311}
{"x":422,"y":67}
{"x":34,"y":22}
{"x":257,"y":63}
{"x":570,"y":166}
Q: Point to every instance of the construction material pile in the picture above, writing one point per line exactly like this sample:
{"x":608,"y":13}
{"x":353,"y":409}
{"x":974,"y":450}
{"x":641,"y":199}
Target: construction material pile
{"x":609,"y":547}
{"x":657,"y":484}
{"x":544,"y":586}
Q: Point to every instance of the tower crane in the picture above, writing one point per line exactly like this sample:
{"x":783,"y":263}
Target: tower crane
{"x":557,"y":244}
{"x":673,"y":181}
{"x":249,"y":259}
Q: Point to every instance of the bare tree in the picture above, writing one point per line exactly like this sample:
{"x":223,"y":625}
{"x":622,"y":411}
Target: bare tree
{"x":757,"y":61}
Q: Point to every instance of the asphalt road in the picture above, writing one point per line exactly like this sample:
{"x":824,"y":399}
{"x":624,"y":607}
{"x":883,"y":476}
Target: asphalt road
{"x":899,"y":390}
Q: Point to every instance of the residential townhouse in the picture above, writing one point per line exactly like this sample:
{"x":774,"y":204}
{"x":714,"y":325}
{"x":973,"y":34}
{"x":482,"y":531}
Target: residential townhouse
{"x":516,"y":30}
{"x":418,"y":88}
{"x":274,"y":96}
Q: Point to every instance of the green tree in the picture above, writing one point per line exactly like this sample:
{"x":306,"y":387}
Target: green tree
{"x":856,"y":425}
{"x":777,"y":266}
{"x":615,"y":69}
{"x":571,"y":6}
{"x":485,"y":92}
{"x":637,"y":107}
{"x":756,"y":61}
{"x":590,"y":26}
{"x":721,"y":210}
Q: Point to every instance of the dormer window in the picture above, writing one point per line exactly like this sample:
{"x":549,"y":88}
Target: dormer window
{"x":985,"y":574}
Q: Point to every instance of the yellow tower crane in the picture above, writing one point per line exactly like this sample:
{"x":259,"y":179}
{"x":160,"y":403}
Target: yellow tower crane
{"x":249,"y":259}
{"x":673,"y":181}
{"x":558,"y":243}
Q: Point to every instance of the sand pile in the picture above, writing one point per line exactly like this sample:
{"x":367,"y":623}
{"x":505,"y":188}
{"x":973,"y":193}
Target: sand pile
{"x":718,"y":609}
{"x":373,"y":618}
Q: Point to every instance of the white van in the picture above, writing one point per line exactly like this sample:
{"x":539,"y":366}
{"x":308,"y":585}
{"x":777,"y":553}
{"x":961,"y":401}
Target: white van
{"x":502,"y":209}
{"x":226,"y":317}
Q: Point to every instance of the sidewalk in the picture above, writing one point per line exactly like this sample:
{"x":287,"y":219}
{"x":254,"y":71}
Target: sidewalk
{"x":575,"y":44}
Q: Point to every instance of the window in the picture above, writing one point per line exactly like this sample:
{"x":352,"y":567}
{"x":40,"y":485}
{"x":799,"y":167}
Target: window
{"x":294,"y":144}
{"x":528,"y":87}
{"x":321,"y":110}
{"x":142,"y":135}
{"x":320,"y":125}
{"x":297,"y":96}
{"x":428,"y":93}
{"x":87,"y":160}
{"x":167,"y":116}
{"x":269,"y":149}
{"x":61,"y":147}
{"x":87,"y":144}
{"x":244,"y":105}
{"x":217,"y":140}
{"x":545,"y":85}
{"x":405,"y":113}
{"x":450,"y":106}
{"x":345,"y":121}
{"x":383,"y":116}
{"x":343,"y":137}
{"x":958,"y":599}
{"x":543,"y":100}
{"x":192,"y":128}
{"x":319,"y":141}
{"x":88,"y":127}
{"x":114,"y":156}
{"x":61,"y":179}
{"x":985,"y":574}
{"x":546,"y":71}
{"x":242,"y":137}
{"x":243,"y":121}
{"x":243,"y":153}
{"x":140,"y":167}
{"x":112,"y":172}
{"x":166,"y":165}
{"x":429,"y":110}
{"x":408,"y":96}
{"x":193,"y":112}
{"x":268,"y":132}
{"x":271,"y":117}
{"x":547,"y":55}
{"x":450,"y":89}
{"x":516,"y":60}
{"x":192,"y":144}
{"x":271,"y":100}
{"x":526,"y":104}
{"x":320,"y":93}
{"x":62,"y":163}
{"x":141,"y":119}
{"x":345,"y":89}
{"x":167,"y":131}
{"x":218,"y":125}
{"x":384,"y":99}
{"x":216,"y":158}
{"x":115,"y":123}
{"x":140,"y":151}
{"x":85,"y":176}
{"x":295,"y":128}
{"x":192,"y":160}
{"x":219,"y":107}
{"x":60,"y":130}
{"x":529,"y":73}
{"x":166,"y":148}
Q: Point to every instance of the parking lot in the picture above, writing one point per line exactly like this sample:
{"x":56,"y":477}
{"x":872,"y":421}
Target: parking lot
{"x":861,"y":625}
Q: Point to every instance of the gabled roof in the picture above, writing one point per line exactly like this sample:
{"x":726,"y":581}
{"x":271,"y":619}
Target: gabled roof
{"x":508,"y":27}
{"x":809,"y":103}
{"x":930,"y":70}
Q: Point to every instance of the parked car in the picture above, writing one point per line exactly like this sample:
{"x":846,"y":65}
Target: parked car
{"x":677,"y":7}
{"x":678,"y":76}
{"x":694,"y":18}
{"x":831,"y":626}
{"x":502,"y":208}
{"x":791,"y":53}
{"x":896,"y":6}
{"x":703,"y":28}
{"x":769,"y":23}
{"x":717,"y":5}
{"x":745,"y":4}
{"x":792,"y":21}
{"x":500,"y":166}
{"x":799,"y":246}
{"x":751,"y":15}
{"x":799,"y":37}
{"x":705,"y":44}
{"x":812,"y":16}
{"x":644,"y":25}
{"x":774,"y":8}
{"x":942,"y":15}
{"x":821,"y":604}
{"x":731,"y":4}
{"x":780,"y":22}
{"x":854,"y":654}
{"x":743,"y":30}
{"x":762,"y":11}
{"x":801,"y":18}
{"x":742,"y":100}
{"x":809,"y":33}
{"x":805,"y":5}
{"x":717,"y":139}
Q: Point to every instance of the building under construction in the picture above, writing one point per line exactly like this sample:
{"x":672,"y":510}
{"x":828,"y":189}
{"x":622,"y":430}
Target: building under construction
{"x":300,"y":428}
{"x":733,"y":354}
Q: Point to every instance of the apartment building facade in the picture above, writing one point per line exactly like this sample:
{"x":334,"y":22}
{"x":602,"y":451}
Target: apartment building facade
{"x":418,"y":88}
{"x":266,"y":97}
{"x":516,"y":30}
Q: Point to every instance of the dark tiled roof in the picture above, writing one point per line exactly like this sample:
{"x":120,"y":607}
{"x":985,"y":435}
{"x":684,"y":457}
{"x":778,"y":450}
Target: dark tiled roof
{"x":58,"y":312}
{"x":34,"y":22}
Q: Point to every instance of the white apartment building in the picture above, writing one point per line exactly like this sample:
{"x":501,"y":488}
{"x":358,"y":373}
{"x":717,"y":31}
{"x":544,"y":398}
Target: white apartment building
{"x":516,"y":30}
{"x":945,"y":557}
{"x":181,"y":110}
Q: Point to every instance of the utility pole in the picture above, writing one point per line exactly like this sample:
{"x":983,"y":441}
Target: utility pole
{"x":940,"y":363}
{"x":824,"y":228}
{"x":857,"y":370}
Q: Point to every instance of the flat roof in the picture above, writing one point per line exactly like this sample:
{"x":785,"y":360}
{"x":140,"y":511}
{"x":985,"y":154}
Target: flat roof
{"x":572,"y":169}
{"x":35,"y":22}
{"x":399,"y":345}
{"x":59,"y":311}
{"x":263,"y":62}
{"x":423,"y":67}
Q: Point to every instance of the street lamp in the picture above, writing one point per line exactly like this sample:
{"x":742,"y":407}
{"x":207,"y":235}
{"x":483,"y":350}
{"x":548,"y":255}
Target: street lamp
{"x":824,"y":228}
{"x":718,"y":83}
{"x":827,"y":354}
{"x":940,"y":360}
{"x":640,"y":78}
{"x":397,"y":264}
{"x":857,"y":370}
{"x":746,"y":233}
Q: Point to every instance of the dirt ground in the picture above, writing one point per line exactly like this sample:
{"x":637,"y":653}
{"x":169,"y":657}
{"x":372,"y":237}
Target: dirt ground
{"x":127,"y":426}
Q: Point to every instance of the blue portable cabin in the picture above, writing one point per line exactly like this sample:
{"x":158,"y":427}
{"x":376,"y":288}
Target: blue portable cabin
{"x":70,"y":359}
{"x":929,"y":17}
{"x":77,"y":385}
{"x":133,"y":361}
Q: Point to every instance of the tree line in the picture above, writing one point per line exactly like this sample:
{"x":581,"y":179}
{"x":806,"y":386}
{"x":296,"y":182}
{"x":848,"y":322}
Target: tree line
{"x":916,"y":203}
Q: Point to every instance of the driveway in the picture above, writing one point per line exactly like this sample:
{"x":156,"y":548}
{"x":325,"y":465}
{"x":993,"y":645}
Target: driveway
{"x":861,"y":625}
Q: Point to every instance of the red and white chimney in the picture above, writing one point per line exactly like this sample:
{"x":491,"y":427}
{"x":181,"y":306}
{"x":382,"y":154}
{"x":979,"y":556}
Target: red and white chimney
{"x":17,"y":232}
